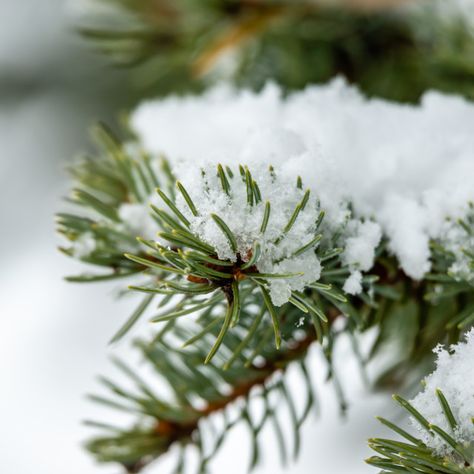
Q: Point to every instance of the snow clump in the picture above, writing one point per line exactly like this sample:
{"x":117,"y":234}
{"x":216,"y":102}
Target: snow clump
{"x":404,"y":167}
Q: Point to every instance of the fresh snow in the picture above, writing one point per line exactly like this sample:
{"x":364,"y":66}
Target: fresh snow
{"x":360,"y":240}
{"x":278,"y":248}
{"x":353,"y":285}
{"x":84,"y":245}
{"x":405,"y":167}
{"x":136,"y":219}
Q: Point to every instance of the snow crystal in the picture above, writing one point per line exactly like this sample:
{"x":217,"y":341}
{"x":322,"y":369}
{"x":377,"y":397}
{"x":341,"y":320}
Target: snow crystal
{"x":84,"y":245}
{"x":454,"y":376}
{"x":300,"y":322}
{"x":136,"y":219}
{"x":245,"y":221}
{"x":405,"y":222}
{"x":353,"y":285}
{"x":405,"y":167}
{"x":360,"y":242}
{"x":360,"y":239}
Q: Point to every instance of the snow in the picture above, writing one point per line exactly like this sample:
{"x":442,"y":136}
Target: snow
{"x":405,"y":167}
{"x":454,"y":376}
{"x":136,"y":219}
{"x":245,"y":220}
{"x":84,"y":245}
{"x":406,"y":223}
{"x":353,"y":285}
{"x":360,"y":241}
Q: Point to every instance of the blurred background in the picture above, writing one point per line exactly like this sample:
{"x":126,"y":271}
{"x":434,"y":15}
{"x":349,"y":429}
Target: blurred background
{"x":53,"y":85}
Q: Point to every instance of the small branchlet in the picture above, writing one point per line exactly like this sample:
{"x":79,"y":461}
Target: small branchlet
{"x":412,"y":455}
{"x":190,"y":267}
